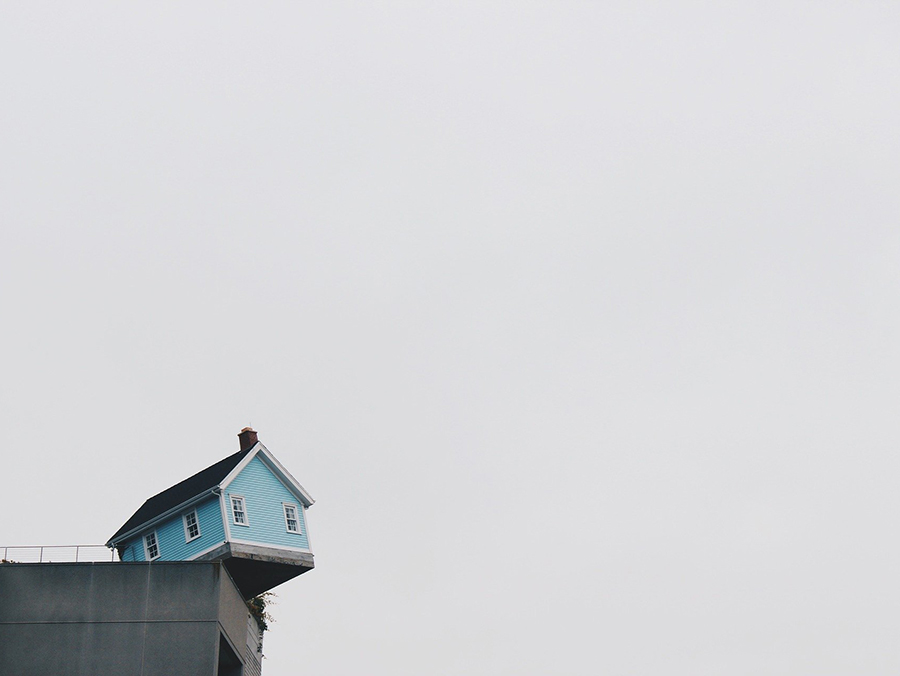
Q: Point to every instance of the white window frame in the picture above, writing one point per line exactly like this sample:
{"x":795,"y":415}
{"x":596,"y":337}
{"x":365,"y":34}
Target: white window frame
{"x":155,"y":543}
{"x":184,"y":521}
{"x":284,"y":508}
{"x":231,"y":499}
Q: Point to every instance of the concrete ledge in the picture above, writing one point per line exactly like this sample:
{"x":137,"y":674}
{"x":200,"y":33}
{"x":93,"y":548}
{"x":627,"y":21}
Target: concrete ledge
{"x":272,"y":555}
{"x":256,"y":569}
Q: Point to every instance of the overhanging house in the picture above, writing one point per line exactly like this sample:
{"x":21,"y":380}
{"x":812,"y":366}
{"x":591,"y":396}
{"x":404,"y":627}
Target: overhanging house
{"x":245,"y":510}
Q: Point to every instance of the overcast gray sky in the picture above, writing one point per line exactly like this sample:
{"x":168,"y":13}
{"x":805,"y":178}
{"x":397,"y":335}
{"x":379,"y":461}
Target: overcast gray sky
{"x":579,"y":320}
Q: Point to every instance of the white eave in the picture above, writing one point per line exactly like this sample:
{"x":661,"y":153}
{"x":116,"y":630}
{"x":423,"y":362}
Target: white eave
{"x":279,"y":470}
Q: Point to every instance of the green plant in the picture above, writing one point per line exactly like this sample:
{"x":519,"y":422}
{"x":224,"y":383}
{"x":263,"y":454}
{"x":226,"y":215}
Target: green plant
{"x":258,"y":607}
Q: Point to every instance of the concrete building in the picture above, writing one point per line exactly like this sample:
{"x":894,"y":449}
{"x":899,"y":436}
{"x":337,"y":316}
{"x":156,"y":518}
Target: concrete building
{"x":175,"y":604}
{"x":125,"y":619}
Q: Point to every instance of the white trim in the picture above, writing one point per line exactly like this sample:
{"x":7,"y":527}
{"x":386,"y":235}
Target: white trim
{"x":207,"y":551}
{"x":231,"y":498}
{"x":286,"y":478}
{"x":296,"y":508}
{"x":144,"y":537}
{"x":224,"y":515}
{"x":127,"y":535}
{"x":184,"y":522}
{"x":306,"y":531}
{"x":269,"y":545}
{"x":277,"y":468}
{"x":240,"y":466}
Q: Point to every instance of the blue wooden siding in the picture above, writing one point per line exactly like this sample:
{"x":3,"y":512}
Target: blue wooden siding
{"x":263,"y":496}
{"x":128,"y":552}
{"x":135,"y":549}
{"x":170,"y":535}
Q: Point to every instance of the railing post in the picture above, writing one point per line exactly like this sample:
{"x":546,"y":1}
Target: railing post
{"x":41,"y":557}
{"x":76,"y":553}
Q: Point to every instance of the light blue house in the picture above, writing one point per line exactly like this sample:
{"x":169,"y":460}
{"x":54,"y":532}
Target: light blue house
{"x":245,"y":510}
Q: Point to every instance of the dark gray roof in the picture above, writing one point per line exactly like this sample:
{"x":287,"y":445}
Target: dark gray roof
{"x":191,"y":487}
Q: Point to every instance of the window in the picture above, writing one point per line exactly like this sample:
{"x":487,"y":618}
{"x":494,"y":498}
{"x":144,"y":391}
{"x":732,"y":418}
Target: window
{"x":151,"y":547}
{"x":291,"y":520}
{"x":238,"y":512}
{"x":191,"y":526}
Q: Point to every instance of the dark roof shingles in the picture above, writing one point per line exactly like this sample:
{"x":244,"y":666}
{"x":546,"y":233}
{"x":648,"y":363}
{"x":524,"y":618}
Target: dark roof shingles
{"x":185,"y":490}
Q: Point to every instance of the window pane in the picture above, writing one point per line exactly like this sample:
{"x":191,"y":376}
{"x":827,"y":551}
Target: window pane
{"x":237,"y":507}
{"x":290,"y":519}
{"x":152,"y":548}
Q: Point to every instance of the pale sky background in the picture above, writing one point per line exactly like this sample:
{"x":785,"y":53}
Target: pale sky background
{"x":579,"y":320}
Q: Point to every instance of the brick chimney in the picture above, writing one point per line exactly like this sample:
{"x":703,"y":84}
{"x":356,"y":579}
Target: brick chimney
{"x":248,"y":438}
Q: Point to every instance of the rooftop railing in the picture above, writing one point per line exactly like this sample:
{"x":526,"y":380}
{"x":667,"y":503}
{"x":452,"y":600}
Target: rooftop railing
{"x":57,"y":554}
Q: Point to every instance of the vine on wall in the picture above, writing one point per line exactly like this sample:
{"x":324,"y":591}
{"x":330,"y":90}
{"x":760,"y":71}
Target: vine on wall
{"x":259,"y":608}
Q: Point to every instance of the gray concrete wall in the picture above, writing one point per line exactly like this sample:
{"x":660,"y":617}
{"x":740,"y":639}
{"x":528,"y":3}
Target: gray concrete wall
{"x":122,"y":619}
{"x":232,"y":611}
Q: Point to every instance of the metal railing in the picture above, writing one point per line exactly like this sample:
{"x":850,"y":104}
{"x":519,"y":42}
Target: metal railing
{"x":57,"y":554}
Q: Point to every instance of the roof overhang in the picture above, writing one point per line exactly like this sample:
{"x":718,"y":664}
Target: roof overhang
{"x":127,"y":535}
